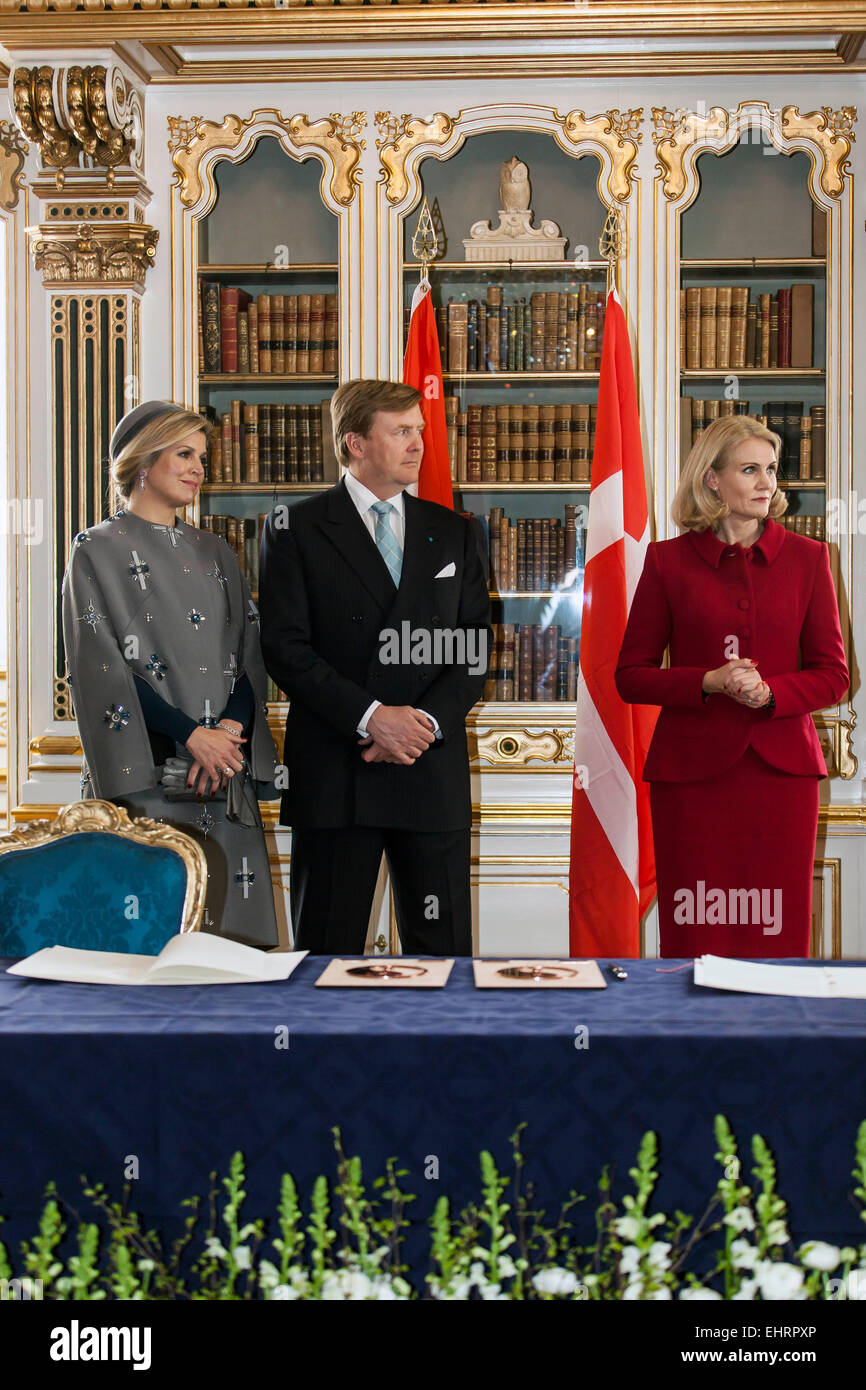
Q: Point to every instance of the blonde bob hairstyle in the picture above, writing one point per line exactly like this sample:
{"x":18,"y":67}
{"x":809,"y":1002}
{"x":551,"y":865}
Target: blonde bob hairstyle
{"x":696,"y":507}
{"x":145,"y":447}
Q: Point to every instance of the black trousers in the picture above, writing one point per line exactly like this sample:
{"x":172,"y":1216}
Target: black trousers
{"x":333,"y":878}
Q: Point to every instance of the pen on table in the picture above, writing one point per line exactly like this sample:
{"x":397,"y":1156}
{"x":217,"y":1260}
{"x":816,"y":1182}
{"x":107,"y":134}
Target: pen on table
{"x":617,"y":971}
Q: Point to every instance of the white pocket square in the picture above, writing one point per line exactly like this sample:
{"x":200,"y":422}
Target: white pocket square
{"x":447,"y":573}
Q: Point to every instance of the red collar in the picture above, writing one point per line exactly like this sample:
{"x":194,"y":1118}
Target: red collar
{"x":767,"y":547}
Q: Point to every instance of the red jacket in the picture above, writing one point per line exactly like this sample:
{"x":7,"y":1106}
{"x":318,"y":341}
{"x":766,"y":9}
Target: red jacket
{"x":777,"y":599}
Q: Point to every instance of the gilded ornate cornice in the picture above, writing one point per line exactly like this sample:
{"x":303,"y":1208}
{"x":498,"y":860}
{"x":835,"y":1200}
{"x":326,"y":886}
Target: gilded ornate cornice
{"x":678,"y":136}
{"x":192,"y":139}
{"x":398,"y":137}
{"x":73,"y":111}
{"x":619,"y":134}
{"x":13,"y":152}
{"x":112,"y":253}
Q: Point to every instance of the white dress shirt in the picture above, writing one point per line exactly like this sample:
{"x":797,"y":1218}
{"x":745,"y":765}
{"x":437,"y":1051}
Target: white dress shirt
{"x":364,"y":500}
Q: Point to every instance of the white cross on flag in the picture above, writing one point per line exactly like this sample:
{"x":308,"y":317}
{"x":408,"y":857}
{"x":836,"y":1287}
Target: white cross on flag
{"x":612,"y":874}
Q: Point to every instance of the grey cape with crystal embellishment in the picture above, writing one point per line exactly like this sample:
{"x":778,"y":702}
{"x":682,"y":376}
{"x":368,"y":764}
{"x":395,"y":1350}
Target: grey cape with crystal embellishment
{"x":170,"y":605}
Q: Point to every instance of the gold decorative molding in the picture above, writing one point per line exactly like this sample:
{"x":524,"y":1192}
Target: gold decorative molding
{"x":103,"y":817}
{"x":73,"y":111}
{"x":398,"y":137}
{"x":116,"y":254}
{"x":192,"y":139}
{"x":678,"y":134}
{"x":619,"y":134}
{"x":835,"y":737}
{"x":13,"y":152}
{"x":56,"y":745}
{"x":675,"y":133}
{"x":518,"y":747}
{"x":338,"y":135}
{"x":833,"y":132}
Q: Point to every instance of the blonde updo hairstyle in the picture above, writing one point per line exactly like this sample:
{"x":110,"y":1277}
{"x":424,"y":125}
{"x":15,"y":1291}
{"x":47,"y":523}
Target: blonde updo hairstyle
{"x":696,"y":507}
{"x":145,"y":447}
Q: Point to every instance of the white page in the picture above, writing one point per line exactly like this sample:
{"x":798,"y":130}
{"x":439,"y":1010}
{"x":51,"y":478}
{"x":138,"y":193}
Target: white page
{"x":796,"y":981}
{"x":189,"y":958}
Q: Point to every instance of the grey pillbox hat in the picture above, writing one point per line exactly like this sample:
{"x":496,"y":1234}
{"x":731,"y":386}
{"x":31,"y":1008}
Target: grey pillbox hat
{"x":135,"y":420}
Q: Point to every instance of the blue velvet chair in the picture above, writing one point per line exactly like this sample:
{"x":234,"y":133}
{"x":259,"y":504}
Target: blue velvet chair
{"x":96,"y":879}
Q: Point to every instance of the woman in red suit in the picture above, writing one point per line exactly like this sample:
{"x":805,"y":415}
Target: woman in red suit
{"x":748,"y":613}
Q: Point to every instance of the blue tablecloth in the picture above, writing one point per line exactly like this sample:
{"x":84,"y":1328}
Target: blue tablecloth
{"x":182,"y":1077}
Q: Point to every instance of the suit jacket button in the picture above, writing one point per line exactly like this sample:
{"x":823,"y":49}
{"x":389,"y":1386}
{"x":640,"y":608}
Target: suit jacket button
{"x":745,"y":632}
{"x":435,"y":618}
{"x":356,"y":618}
{"x":743,"y":603}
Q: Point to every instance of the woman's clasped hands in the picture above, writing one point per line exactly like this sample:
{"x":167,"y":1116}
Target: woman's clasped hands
{"x":740,"y":680}
{"x":217,"y":757}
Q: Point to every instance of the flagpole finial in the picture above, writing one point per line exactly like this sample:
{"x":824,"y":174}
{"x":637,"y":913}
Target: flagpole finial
{"x":425,"y":243}
{"x":612,"y":245}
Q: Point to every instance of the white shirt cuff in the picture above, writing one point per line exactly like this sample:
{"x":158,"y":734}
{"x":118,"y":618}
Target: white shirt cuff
{"x":362,"y":727}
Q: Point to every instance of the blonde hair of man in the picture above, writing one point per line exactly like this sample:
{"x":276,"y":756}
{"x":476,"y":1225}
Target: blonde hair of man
{"x":696,"y":506}
{"x":354,"y":404}
{"x":145,"y":447}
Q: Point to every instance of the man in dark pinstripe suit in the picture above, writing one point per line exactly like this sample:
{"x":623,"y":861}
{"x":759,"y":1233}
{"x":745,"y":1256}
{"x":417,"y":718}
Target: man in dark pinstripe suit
{"x":375,"y":622}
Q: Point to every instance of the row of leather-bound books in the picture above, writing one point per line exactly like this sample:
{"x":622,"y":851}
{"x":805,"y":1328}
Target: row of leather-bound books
{"x":282,"y":333}
{"x":802,"y":456}
{"x":548,"y":331}
{"x":275,"y":443}
{"x":534,"y":553}
{"x":530,"y":662}
{"x":520,"y":443}
{"x":721,"y":327}
{"x":805,"y":526}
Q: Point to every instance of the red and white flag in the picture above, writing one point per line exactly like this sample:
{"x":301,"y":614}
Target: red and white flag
{"x":422,"y":368}
{"x":612,"y":874}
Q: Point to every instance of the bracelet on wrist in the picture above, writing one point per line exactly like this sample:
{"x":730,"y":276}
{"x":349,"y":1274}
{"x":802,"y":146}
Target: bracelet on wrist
{"x":229,"y":730}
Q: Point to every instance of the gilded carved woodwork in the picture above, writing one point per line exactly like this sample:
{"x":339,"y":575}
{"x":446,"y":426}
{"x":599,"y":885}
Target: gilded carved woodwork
{"x":519,"y":747}
{"x":192,"y":139}
{"x":112,"y":253}
{"x":619,"y":134}
{"x":13,"y":152}
{"x":75,"y":111}
{"x":398,"y":137}
{"x":678,"y":135}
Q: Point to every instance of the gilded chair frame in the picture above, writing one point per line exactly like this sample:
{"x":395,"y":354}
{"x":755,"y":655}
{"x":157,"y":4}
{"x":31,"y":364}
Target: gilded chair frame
{"x":104,"y":818}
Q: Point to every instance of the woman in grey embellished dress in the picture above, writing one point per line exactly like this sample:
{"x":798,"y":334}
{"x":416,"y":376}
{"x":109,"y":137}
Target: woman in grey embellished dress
{"x":169,"y":688}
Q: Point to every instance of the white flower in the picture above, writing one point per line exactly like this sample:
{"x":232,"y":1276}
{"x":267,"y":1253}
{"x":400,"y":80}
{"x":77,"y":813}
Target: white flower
{"x":269,"y":1275}
{"x":282,"y":1292}
{"x":777,"y":1280}
{"x":146,"y":1265}
{"x":816,"y":1254}
{"x":555,"y":1281}
{"x":348,"y":1284}
{"x":740,"y":1219}
{"x":627,"y":1226}
{"x":629,"y":1260}
{"x":662,"y":1293}
{"x":242,"y":1257}
{"x":743,"y":1254}
{"x":746,"y":1291}
{"x":699,"y":1294}
{"x":777,"y":1233}
{"x":658,"y":1254}
{"x":215,"y":1248}
{"x":506,"y":1267}
{"x":633,"y":1290}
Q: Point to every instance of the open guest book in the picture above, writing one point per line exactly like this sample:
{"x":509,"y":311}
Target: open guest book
{"x":191,"y":958}
{"x":797,"y":981}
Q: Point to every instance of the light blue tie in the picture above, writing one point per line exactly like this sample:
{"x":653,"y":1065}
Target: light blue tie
{"x":386,"y":541}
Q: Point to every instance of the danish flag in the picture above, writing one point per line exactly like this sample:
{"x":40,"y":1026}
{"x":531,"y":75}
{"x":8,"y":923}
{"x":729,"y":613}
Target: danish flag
{"x":612,"y":870}
{"x":422,"y":368}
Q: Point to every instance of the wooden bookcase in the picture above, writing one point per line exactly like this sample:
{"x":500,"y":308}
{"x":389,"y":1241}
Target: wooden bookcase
{"x":520,"y":376}
{"x":754,"y":205}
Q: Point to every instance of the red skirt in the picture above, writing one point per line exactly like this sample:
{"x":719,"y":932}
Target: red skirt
{"x":734,"y":860}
